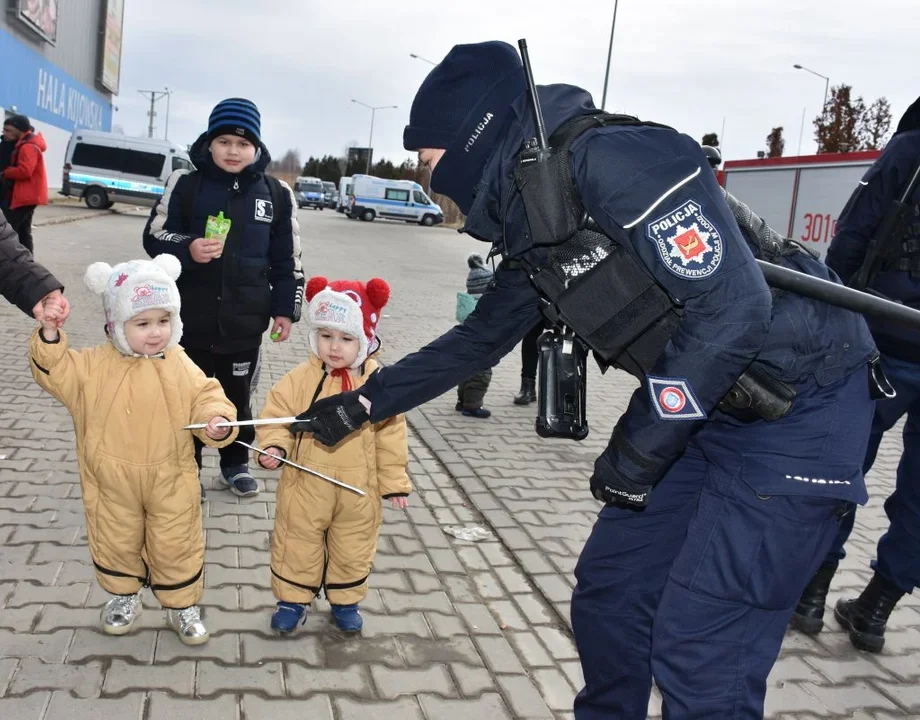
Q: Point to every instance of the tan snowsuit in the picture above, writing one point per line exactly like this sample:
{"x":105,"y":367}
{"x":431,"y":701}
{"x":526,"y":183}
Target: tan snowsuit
{"x":137,"y":466}
{"x":325,"y":535}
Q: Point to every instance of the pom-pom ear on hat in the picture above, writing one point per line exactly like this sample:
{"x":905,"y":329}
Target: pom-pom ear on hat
{"x":170,"y":263}
{"x":97,"y":277}
{"x":378,"y":292}
{"x":314,"y":286}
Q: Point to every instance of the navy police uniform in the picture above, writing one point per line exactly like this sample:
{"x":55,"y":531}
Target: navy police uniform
{"x":897,"y":567}
{"x":695,"y":587}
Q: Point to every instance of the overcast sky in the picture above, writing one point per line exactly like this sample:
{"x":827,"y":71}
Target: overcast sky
{"x":689,"y":64}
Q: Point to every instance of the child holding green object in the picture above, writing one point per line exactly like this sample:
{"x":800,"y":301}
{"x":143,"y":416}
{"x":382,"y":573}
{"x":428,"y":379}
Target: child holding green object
{"x":235,"y":230}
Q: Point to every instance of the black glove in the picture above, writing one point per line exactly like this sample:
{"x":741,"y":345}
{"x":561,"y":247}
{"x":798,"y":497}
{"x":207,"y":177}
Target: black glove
{"x":332,"y":419}
{"x":611,"y":487}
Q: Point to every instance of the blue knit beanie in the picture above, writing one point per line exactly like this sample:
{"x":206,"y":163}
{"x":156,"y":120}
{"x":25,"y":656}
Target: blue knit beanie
{"x":236,"y":116}
{"x":462,"y":107}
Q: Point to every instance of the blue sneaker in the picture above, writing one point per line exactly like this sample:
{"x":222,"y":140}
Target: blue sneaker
{"x":288,"y":616}
{"x":347,"y":618}
{"x":480,"y":413}
{"x":238,"y":479}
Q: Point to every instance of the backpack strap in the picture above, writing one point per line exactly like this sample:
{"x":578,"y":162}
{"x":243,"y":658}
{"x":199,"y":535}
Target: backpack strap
{"x":277,"y":191}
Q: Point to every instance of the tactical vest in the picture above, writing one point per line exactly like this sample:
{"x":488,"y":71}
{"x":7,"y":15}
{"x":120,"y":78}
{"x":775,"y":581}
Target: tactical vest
{"x":907,"y":241}
{"x":596,"y":288}
{"x":590,"y":283}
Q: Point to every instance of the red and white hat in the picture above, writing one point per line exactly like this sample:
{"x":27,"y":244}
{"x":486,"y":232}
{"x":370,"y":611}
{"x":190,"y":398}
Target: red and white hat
{"x":348,"y":306}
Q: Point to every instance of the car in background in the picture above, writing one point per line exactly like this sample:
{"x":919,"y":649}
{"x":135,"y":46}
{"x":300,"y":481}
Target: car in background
{"x":330,"y":195}
{"x":405,"y":200}
{"x":344,"y":194}
{"x":309,"y":193}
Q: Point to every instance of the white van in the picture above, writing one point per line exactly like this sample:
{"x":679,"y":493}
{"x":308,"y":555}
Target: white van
{"x":105,"y":168}
{"x":344,"y":193}
{"x":404,"y":200}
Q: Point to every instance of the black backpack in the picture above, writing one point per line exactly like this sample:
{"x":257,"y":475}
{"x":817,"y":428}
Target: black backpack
{"x":190,"y":193}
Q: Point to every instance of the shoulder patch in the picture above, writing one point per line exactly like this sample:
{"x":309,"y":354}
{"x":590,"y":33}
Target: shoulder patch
{"x":673,"y":399}
{"x":688,"y":244}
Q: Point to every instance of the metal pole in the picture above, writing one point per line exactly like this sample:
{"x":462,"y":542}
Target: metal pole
{"x":168,"y":96}
{"x":827,"y":83}
{"x":154,"y":96}
{"x":609,"y":53}
{"x":370,"y":142}
{"x":801,"y":132}
{"x":722,"y":137}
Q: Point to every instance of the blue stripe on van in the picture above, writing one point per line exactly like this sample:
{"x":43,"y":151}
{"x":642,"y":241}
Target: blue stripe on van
{"x":378,"y":201}
{"x":129,"y":185}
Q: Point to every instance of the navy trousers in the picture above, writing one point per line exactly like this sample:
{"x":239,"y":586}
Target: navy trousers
{"x":898,"y":554}
{"x":697,"y":589}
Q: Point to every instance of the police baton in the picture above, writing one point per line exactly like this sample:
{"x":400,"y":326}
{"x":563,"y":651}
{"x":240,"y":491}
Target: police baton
{"x":839,"y":295}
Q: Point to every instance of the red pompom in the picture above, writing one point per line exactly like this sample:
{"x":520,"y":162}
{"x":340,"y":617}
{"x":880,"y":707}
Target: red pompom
{"x":315,"y":286}
{"x":378,"y":292}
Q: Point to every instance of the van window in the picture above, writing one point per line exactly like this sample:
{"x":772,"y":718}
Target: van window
{"x":102,"y":157}
{"x":394,"y":194}
{"x":420,"y":197}
{"x":137,"y":162}
{"x":181,"y":164}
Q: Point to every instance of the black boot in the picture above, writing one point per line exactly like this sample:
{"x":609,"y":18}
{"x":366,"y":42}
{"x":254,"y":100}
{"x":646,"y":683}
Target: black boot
{"x":865,"y":617}
{"x":809,"y":613}
{"x":528,"y":392}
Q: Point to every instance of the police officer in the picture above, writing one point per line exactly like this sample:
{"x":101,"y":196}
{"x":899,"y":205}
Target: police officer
{"x":897,"y":567}
{"x":712,"y":524}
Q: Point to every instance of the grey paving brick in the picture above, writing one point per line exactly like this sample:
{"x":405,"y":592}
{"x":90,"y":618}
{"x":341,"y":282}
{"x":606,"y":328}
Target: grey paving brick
{"x":163,"y":707}
{"x":905,"y":667}
{"x":83,"y":681}
{"x":417,"y":561}
{"x":524,"y":698}
{"x":253,"y":526}
{"x":74,"y":573}
{"x":432,"y":537}
{"x":27,"y":594}
{"x":554,"y":587}
{"x":302,"y":648}
{"x":256,"y":598}
{"x":499,"y":655}
{"x":572,"y":670}
{"x":51,"y":647}
{"x":840,"y":670}
{"x":411,"y":623}
{"x":530,"y":649}
{"x":19,"y":619}
{"x":50,"y":553}
{"x":479,"y":619}
{"x":446,"y":561}
{"x":534,"y":610}
{"x":214,"y":679}
{"x":354,"y":680}
{"x":223,"y":621}
{"x":217,"y":575}
{"x":471,"y":558}
{"x":906,"y":695}
{"x":428,"y":602}
{"x":554,"y":688}
{"x":64,"y":706}
{"x":472,"y":681}
{"x":445,"y":626}
{"x":392,"y":683}
{"x":383,"y":650}
{"x":93,"y":643}
{"x":559,"y":645}
{"x":839,"y":698}
{"x":219,"y":538}
{"x":7,"y":668}
{"x":226,"y":598}
{"x":178,"y":678}
{"x":513,"y":580}
{"x":62,"y":536}
{"x":225,"y":648}
{"x":31,"y":707}
{"x":488,"y":586}
{"x":227,"y":523}
{"x":34,"y":519}
{"x":422,"y":583}
{"x":402,"y":709}
{"x":42,"y":574}
{"x":793,"y":668}
{"x":489,"y":706}
{"x":228,"y":557}
{"x":393,"y":580}
{"x":252,"y":509}
{"x":451,"y":650}
{"x":318,"y":707}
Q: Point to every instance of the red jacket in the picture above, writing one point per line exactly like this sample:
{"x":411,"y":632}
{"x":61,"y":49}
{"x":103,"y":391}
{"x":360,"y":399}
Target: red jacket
{"x":27,"y":171}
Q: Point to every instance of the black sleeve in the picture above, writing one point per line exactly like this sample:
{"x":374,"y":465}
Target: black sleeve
{"x":23,"y":281}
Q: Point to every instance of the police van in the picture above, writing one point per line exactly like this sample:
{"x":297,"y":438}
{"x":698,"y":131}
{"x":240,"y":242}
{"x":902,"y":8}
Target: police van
{"x":103,"y":168}
{"x":310,"y":193}
{"x":404,"y":200}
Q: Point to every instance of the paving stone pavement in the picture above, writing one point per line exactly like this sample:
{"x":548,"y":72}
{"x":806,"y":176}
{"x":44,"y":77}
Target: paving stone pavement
{"x":453,"y":629}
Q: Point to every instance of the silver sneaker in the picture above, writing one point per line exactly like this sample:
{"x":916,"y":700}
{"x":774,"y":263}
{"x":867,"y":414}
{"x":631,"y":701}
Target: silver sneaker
{"x":188,"y":626}
{"x":120,"y":613}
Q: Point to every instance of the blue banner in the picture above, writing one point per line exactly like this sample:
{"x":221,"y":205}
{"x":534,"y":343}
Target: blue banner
{"x":44,"y":92}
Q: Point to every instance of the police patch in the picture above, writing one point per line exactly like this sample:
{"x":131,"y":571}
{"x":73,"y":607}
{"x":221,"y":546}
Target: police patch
{"x":689,"y":245}
{"x":673,"y":399}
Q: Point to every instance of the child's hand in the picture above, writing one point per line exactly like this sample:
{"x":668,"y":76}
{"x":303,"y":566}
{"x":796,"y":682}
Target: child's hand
{"x":271,"y":461}
{"x":217,"y":433}
{"x":204,"y":251}
{"x":399,"y":503}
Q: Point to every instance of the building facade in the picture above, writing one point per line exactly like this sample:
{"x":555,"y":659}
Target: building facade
{"x":61,"y":62}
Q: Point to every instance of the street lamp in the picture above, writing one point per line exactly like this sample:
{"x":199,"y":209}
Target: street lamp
{"x":827,"y":82}
{"x":370,"y":142}
{"x":419,"y":57}
{"x":609,"y":53}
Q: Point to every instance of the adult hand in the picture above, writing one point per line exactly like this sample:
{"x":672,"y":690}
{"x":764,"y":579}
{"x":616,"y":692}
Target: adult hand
{"x":332,"y":419}
{"x":281,"y":329}
{"x":204,"y":251}
{"x":54,"y":307}
{"x":613,"y":488}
